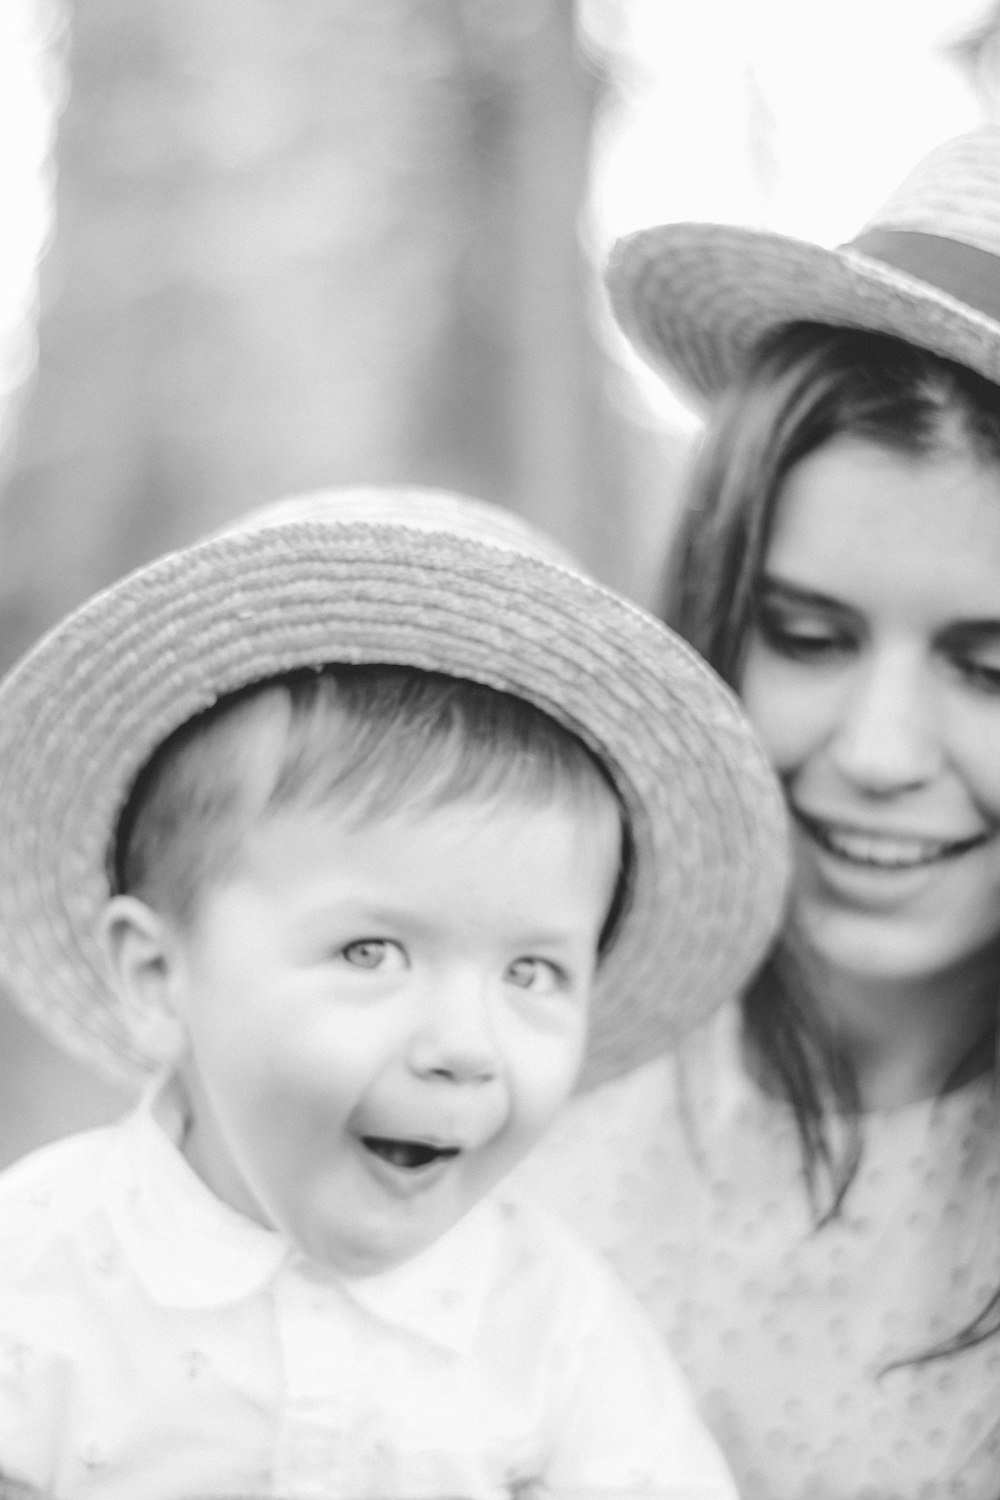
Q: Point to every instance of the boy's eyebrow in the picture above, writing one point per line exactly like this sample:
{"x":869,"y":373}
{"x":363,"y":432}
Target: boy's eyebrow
{"x":396,"y":920}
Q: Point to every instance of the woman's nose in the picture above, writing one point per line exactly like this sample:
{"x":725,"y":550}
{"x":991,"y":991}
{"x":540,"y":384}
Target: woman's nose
{"x":889,"y":738}
{"x":455,"y":1039}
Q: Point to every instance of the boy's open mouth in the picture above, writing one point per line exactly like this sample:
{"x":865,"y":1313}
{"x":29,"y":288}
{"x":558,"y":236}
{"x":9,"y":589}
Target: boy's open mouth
{"x":408,"y":1154}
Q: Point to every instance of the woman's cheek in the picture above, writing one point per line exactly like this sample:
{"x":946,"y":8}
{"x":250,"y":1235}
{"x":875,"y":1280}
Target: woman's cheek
{"x":785,"y":711}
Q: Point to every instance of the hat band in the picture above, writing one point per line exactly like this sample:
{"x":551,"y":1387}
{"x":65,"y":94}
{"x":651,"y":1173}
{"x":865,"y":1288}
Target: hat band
{"x":963,"y":271}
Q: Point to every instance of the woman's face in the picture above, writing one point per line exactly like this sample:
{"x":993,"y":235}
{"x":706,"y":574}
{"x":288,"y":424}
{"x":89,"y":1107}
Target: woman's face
{"x":873,"y":677}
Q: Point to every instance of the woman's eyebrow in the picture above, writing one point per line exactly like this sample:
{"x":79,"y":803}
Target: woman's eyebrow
{"x":984,"y":631}
{"x":783,"y":591}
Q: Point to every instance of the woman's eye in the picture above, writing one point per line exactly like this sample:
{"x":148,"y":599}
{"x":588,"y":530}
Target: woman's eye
{"x":980,"y":674}
{"x":537,"y":975}
{"x":802,"y":637}
{"x":374,"y":953}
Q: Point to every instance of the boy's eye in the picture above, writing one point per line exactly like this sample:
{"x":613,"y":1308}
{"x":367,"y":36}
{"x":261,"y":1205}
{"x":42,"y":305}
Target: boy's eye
{"x":374,"y":953}
{"x":536,"y":974}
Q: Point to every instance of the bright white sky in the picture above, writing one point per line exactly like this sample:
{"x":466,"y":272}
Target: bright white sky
{"x":855,"y":92}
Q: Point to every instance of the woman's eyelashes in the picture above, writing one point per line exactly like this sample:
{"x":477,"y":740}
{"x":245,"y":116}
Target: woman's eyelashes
{"x":807,"y":635}
{"x":973,"y":651}
{"x":981,"y":675}
{"x":824,"y":632}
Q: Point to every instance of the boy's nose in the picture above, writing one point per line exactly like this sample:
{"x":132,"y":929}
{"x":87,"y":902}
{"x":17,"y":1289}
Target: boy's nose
{"x":455,"y":1041}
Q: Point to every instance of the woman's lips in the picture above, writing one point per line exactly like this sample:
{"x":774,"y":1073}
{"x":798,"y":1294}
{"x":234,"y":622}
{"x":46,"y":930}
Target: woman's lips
{"x":884,"y":851}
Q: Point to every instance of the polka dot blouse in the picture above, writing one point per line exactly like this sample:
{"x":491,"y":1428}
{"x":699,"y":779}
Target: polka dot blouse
{"x":689,"y":1178}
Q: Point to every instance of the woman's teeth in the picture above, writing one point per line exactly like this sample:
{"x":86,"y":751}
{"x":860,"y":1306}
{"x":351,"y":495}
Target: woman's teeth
{"x":885,"y":851}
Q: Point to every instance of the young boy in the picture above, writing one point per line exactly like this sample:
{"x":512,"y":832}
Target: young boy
{"x":359,"y":830}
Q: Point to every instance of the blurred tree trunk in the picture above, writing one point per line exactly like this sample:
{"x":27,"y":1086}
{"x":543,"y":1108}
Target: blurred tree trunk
{"x":258,"y":220}
{"x":303,"y":242}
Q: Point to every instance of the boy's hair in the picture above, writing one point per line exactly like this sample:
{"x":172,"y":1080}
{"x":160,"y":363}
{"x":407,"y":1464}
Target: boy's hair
{"x":378,"y":738}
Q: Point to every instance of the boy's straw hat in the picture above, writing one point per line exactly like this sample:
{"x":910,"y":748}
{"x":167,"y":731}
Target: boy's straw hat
{"x":400,"y":576}
{"x":696,"y":298}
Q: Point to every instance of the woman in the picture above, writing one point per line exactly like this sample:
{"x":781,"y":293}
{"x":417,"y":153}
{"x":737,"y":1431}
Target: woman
{"x":807,"y":1197}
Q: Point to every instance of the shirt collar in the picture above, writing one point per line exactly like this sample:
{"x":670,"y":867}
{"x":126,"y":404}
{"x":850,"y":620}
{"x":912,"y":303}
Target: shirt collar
{"x":440,"y":1294}
{"x":188,"y":1248}
{"x":191,"y":1250}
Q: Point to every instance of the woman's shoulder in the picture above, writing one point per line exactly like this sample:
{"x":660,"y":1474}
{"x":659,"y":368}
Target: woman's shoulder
{"x":601,"y":1127}
{"x":603,"y":1165}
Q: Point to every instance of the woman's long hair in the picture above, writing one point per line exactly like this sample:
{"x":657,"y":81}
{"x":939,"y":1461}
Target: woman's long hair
{"x":807,"y":385}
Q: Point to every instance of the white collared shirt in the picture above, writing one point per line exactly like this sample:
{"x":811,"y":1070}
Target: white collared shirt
{"x":157,"y":1345}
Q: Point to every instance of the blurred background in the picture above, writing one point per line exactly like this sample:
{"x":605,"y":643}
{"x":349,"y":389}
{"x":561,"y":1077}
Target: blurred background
{"x":256,"y":246}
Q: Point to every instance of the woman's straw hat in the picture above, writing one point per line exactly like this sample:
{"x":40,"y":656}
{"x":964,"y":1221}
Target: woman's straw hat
{"x":399,"y":576}
{"x":697,"y":298}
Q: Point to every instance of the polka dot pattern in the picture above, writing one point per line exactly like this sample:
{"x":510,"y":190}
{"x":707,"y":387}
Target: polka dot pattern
{"x":690,"y":1180}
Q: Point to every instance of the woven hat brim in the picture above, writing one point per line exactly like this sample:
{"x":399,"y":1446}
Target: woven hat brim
{"x":697,"y":298}
{"x":85,"y":709}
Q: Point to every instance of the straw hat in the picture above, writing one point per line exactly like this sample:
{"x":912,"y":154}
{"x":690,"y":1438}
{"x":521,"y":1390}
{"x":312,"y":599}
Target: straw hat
{"x":696,"y":298}
{"x":401,"y":576}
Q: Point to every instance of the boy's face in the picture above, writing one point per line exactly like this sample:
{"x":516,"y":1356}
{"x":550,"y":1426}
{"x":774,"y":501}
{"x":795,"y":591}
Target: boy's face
{"x":384,"y":1017}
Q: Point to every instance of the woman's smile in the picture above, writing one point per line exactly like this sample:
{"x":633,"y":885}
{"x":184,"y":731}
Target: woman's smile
{"x":877,"y":849}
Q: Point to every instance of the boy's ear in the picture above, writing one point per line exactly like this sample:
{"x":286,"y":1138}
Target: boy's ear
{"x":141,"y":949}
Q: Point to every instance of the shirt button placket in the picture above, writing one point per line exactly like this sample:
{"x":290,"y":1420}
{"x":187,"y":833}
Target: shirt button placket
{"x":319,"y":1360}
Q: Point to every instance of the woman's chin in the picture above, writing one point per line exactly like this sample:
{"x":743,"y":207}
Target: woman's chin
{"x":887,"y":945}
